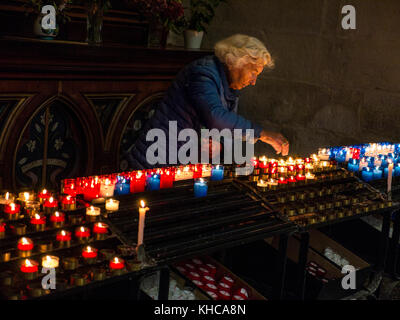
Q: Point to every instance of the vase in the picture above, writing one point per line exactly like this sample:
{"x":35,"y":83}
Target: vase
{"x":157,"y":36}
{"x":94,"y":21}
{"x":38,"y":30}
{"x":193,"y":39}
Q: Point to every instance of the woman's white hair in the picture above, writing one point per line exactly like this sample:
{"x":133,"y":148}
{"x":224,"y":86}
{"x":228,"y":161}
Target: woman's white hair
{"x":241,"y":49}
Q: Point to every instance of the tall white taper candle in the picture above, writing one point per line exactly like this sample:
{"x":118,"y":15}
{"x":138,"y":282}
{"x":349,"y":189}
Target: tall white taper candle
{"x":142,"y":216}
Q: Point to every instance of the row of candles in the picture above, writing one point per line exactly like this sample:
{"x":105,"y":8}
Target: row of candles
{"x":137,"y":181}
{"x":278,"y":174}
{"x":29,"y":267}
{"x":374,"y":161}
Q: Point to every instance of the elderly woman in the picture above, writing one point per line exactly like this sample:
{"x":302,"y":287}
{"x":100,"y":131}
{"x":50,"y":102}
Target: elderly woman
{"x":205,"y":95}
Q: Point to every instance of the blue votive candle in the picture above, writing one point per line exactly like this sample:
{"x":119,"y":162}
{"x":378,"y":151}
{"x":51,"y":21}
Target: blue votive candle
{"x":367,"y":174}
{"x":153,"y":182}
{"x":377,"y":173}
{"x":200,"y":188}
{"x":122,"y":187}
{"x":217,"y":173}
{"x":353,"y":165}
{"x":396,"y":172}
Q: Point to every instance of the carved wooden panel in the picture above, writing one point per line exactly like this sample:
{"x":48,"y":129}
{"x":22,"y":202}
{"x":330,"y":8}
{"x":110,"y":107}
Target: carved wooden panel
{"x":70,"y":110}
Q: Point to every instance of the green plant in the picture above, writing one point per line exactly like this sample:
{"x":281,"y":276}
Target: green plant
{"x":201,"y":14}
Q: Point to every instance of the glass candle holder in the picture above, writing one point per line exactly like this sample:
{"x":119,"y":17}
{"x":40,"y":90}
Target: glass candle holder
{"x":25,"y":246}
{"x":50,"y":262}
{"x":50,"y":206}
{"x":92,"y":213}
{"x":107,"y":187}
{"x":217,"y":173}
{"x":138,"y":181}
{"x":122,"y":186}
{"x":69,"y":186}
{"x":68,"y":203}
{"x":153,"y":182}
{"x":12,"y":211}
{"x":112,"y":205}
{"x":200,"y":188}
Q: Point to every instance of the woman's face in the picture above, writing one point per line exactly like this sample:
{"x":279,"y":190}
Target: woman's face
{"x":244,"y":76}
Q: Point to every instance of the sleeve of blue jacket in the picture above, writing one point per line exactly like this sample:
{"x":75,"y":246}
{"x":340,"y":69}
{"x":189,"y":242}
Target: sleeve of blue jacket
{"x":203,"y":95}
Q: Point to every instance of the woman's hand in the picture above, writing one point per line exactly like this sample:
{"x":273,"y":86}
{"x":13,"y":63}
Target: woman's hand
{"x":276,"y":140}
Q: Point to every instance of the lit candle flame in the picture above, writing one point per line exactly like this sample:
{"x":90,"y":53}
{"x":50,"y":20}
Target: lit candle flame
{"x":24,"y":240}
{"x":116,"y":260}
{"x":37,"y":216}
{"x":7,"y":195}
{"x":12,"y":205}
{"x":44,"y":191}
{"x":26,"y":196}
{"x":107,"y":182}
{"x":142,"y":204}
{"x":68,"y":198}
{"x":63,"y":233}
{"x":82,"y":229}
{"x":28,"y":263}
{"x":88,"y":249}
{"x":51,"y":199}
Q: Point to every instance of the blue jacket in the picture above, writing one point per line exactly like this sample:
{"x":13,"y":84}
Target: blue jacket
{"x":199,"y":97}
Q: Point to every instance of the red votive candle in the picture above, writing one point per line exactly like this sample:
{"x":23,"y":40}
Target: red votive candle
{"x":300,"y":177}
{"x":12,"y":208}
{"x":63,"y":236}
{"x":138,"y":182}
{"x":82,"y":233}
{"x":292,"y":180}
{"x":91,"y":190}
{"x":100,"y":230}
{"x":117,"y":264}
{"x":70,"y":187}
{"x":263,"y":163}
{"x":100,"y":227}
{"x":282,"y":181}
{"x":29,"y":266}
{"x":89,"y":252}
{"x":38,"y":221}
{"x":166,"y":179}
{"x":57,"y":217}
{"x":43,"y":196}
{"x":50,"y":205}
{"x":2,"y":230}
{"x":68,"y":203}
{"x":25,"y":244}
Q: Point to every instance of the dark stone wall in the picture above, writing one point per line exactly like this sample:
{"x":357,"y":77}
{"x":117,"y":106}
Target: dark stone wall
{"x":330,"y":86}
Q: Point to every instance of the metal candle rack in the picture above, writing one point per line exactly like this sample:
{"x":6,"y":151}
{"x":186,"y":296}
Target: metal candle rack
{"x":179,"y":225}
{"x":335,"y":195}
{"x":74,"y":273}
